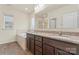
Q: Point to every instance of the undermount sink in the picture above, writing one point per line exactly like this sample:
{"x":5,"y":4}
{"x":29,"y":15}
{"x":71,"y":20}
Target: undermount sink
{"x":62,"y":37}
{"x":65,"y":35}
{"x":59,"y":37}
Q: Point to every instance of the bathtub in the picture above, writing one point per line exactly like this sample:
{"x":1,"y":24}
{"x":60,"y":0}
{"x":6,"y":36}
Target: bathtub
{"x":21,"y":40}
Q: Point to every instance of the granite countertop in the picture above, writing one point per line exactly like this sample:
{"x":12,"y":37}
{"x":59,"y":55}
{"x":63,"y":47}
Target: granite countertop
{"x":66,"y":38}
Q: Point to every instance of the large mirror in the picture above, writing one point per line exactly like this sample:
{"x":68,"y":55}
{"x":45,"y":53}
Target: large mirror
{"x":60,"y":17}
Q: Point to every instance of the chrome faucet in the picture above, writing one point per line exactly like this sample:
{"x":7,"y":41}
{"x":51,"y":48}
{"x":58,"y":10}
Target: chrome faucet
{"x":60,"y":33}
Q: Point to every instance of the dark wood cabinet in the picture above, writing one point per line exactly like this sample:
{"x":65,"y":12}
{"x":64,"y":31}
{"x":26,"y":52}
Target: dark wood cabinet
{"x":39,"y":45}
{"x":30,"y":42}
{"x":38,"y":50}
{"x":61,"y":52}
{"x":32,"y":45}
{"x":65,"y":47}
{"x":48,"y":50}
{"x":38,"y":38}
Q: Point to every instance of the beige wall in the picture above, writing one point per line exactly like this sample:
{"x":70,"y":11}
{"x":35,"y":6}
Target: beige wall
{"x":20,"y":20}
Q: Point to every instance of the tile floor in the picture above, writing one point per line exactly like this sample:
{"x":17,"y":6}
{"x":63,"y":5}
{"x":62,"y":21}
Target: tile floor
{"x":12,"y":49}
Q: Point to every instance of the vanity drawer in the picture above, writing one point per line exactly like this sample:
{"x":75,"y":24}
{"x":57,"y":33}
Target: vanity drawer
{"x":39,"y":38}
{"x":30,"y":35}
{"x":69,"y":47}
{"x":38,"y":43}
{"x":48,"y":50}
{"x":61,"y":52}
{"x":37,"y":48}
{"x":38,"y":53}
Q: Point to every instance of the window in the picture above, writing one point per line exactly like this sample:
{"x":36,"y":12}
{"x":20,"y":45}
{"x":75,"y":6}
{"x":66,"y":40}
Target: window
{"x":8,"y":20}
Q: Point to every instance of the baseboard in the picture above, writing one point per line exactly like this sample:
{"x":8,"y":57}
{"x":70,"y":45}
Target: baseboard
{"x":8,"y":41}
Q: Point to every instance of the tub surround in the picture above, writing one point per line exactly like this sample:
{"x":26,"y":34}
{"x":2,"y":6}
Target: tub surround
{"x":21,"y":40}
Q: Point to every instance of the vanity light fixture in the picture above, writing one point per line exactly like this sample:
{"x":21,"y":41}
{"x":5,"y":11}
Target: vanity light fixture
{"x":39,"y":7}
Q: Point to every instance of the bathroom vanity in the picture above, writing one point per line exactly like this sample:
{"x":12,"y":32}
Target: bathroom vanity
{"x":44,"y":44}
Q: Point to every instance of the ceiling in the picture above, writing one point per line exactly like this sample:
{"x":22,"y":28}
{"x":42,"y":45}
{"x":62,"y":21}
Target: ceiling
{"x":30,"y":7}
{"x":50,"y":7}
{"x":20,"y":7}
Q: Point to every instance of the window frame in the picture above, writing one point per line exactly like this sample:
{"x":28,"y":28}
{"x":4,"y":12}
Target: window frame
{"x":8,"y":28}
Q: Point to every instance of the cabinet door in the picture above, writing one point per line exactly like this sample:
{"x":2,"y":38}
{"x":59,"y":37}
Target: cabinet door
{"x":61,"y":52}
{"x":38,"y":53}
{"x":28,"y":42}
{"x":32,"y":45}
{"x":48,"y":50}
{"x":38,"y":38}
{"x":38,"y":50}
